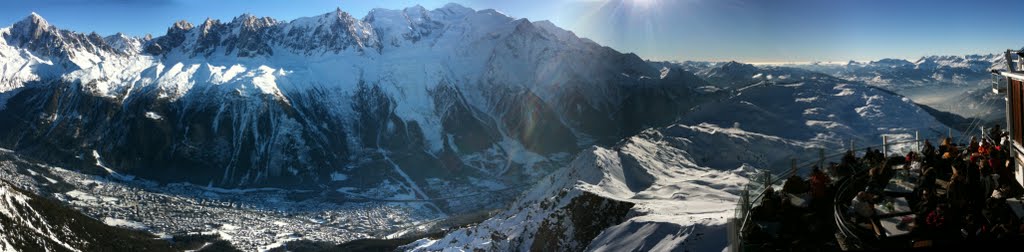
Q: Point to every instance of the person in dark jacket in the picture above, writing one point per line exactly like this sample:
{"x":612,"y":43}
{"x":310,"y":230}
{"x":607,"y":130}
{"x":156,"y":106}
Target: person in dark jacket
{"x":996,"y":133}
{"x":957,"y":194}
{"x":928,"y":151}
{"x":847,"y":165}
{"x":928,"y":177}
{"x":794,"y":185}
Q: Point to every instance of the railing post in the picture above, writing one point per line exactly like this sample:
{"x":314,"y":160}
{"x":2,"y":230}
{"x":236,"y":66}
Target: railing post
{"x":793,"y":166}
{"x":735,"y":240}
{"x":884,"y":143}
{"x":917,"y":141}
{"x":821,"y":158}
{"x":745,"y":201}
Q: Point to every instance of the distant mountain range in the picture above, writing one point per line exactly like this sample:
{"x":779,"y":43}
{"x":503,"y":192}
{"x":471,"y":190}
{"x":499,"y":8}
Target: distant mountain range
{"x":894,"y":74}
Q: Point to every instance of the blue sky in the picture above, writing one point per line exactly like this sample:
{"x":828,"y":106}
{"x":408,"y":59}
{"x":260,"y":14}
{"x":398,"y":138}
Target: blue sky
{"x":744,"y":30}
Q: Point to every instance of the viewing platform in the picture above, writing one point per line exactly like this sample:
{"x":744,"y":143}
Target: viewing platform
{"x":926,"y":197}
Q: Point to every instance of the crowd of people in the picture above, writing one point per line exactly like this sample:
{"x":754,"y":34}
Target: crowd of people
{"x":958,"y":192}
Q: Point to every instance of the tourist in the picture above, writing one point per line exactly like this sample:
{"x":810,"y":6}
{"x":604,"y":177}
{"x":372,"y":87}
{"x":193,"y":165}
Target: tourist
{"x":819,"y":184}
{"x":957,"y":194}
{"x":863,"y":207}
{"x":996,"y":133}
{"x":794,"y":185}
{"x":927,"y":181}
{"x":928,"y":151}
{"x":945,"y":145}
{"x":972,"y":147}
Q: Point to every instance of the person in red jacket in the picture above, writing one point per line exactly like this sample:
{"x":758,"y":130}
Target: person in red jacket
{"x":819,"y":184}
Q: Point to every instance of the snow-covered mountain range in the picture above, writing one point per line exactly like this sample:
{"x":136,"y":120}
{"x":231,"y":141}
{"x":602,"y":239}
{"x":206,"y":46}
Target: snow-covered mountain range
{"x":927,"y":71}
{"x":893,"y":74}
{"x":396,"y":97}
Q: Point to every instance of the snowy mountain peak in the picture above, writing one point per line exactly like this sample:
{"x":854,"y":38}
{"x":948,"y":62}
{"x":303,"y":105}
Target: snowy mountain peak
{"x":415,"y":9}
{"x":454,"y":9}
{"x":342,"y":16}
{"x":252,"y":22}
{"x":888,"y":62}
{"x":208,"y":25}
{"x":492,"y":12}
{"x":127,"y":44}
{"x":734,"y":64}
{"x":209,"y":22}
{"x":183,"y":25}
{"x":36,"y":21}
{"x":31,"y":27}
{"x":36,"y":34}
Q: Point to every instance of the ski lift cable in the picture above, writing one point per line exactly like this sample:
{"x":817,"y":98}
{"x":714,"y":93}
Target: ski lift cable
{"x":976,"y":123}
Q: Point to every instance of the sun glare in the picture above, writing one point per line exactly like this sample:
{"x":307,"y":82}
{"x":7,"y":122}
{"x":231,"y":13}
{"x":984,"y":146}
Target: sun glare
{"x":644,"y":4}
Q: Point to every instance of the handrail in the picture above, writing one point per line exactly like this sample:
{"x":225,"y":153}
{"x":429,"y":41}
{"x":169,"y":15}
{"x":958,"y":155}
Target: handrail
{"x":839,"y":212}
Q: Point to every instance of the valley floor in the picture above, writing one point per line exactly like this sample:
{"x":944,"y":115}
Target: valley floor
{"x":253,"y":219}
